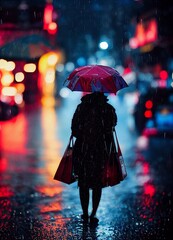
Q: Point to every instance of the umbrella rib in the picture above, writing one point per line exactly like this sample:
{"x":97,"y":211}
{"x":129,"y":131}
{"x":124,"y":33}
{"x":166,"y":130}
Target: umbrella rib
{"x":106,"y":72}
{"x":81,"y":76}
{"x":85,"y":72}
{"x":92,"y":68}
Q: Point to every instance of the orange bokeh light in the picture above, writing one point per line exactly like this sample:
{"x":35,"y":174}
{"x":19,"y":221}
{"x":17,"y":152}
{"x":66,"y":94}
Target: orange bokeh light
{"x":52,"y":28}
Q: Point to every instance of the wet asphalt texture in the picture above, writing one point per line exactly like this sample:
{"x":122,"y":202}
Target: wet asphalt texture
{"x":34,"y":206}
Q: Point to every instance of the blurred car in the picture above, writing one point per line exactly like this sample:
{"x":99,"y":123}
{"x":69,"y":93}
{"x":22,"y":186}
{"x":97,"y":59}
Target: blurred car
{"x":8,"y":111}
{"x":153,"y":113}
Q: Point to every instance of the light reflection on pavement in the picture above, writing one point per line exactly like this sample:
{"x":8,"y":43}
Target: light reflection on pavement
{"x":34,"y":206}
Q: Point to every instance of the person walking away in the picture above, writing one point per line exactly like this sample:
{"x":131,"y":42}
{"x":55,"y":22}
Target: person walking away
{"x":92,"y":125}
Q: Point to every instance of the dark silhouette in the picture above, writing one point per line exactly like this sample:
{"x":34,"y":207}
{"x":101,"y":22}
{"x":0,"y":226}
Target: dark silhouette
{"x":92,"y":125}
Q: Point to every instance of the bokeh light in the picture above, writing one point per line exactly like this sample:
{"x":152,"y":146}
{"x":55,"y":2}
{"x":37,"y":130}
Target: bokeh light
{"x":7,"y":78}
{"x":103,"y":45}
{"x":19,"y":77}
{"x":29,"y":67}
{"x":64,"y":92}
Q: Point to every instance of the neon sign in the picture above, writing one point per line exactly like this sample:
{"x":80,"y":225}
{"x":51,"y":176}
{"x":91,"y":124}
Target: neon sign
{"x":145,"y":33}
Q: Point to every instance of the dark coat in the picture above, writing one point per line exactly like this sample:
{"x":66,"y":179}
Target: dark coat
{"x":92,"y":126}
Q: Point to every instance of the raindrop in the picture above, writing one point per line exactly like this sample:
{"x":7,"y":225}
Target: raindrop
{"x":31,"y":226}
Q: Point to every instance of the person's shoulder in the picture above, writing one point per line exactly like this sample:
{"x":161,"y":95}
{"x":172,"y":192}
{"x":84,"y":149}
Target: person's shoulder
{"x":109,"y":106}
{"x":81,"y":106}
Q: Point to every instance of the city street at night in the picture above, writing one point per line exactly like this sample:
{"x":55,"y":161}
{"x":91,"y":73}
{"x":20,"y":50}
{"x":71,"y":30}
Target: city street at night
{"x":72,"y":72}
{"x":34,"y":206}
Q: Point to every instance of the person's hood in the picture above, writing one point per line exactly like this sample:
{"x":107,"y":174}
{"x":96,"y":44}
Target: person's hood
{"x":96,"y":97}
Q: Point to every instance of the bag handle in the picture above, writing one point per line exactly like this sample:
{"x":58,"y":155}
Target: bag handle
{"x":71,"y":141}
{"x":117,"y":143}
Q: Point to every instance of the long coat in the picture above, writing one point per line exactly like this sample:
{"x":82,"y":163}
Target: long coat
{"x":92,"y":126}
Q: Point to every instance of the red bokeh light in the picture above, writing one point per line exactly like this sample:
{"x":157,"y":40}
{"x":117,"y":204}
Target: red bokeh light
{"x":145,"y":33}
{"x":127,"y":70}
{"x":163,"y":75}
{"x":149,"y":104}
{"x":52,"y":28}
{"x":149,"y":189}
{"x":148,"y":114}
{"x":48,"y":11}
{"x":146,"y":168}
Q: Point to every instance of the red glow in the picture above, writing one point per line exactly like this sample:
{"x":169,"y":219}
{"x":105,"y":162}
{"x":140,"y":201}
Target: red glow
{"x":3,"y":165}
{"x":145,"y":33}
{"x":149,"y":104}
{"x":48,"y":11}
{"x":133,"y":42}
{"x":151,"y":34}
{"x":161,"y":83}
{"x":146,"y":168}
{"x":5,"y":191}
{"x":127,"y":70}
{"x":140,"y":34}
{"x":163,"y":75}
{"x":149,"y":189}
{"x":149,"y":132}
{"x":18,"y":127}
{"x":148,"y":114}
{"x":52,"y":28}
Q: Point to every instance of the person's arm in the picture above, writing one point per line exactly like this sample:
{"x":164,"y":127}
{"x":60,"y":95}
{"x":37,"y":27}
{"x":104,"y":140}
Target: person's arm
{"x":76,"y":122}
{"x":114,"y":117}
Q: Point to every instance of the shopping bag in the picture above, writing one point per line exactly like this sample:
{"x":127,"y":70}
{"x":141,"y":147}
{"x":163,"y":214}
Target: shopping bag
{"x":110,"y":176}
{"x":114,"y":169}
{"x":64,"y":172}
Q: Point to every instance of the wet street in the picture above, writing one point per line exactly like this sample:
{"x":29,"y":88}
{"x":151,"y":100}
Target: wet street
{"x":34,"y":206}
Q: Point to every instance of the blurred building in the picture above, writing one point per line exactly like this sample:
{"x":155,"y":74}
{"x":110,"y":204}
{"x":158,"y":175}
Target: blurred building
{"x":151,"y":38}
{"x":28,"y":36}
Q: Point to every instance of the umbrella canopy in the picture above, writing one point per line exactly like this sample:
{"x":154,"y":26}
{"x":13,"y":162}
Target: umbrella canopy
{"x":95,"y":78}
{"x":27,"y":47}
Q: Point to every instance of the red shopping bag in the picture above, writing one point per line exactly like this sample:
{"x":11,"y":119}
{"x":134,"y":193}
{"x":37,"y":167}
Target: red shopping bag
{"x":64,"y":172}
{"x":110,"y":175}
{"x":114,"y":170}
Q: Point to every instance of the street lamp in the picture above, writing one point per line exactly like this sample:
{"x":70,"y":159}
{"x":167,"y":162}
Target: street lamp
{"x":103,"y":45}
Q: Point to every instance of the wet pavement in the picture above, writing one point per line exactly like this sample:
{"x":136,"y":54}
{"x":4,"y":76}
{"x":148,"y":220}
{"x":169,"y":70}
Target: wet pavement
{"x":34,"y":206}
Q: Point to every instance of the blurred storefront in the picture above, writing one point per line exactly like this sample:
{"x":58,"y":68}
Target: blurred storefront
{"x":28,"y":52}
{"x":151,"y":43}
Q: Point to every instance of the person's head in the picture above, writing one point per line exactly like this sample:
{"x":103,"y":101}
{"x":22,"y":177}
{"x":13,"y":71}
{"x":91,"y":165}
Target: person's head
{"x":95,"y":98}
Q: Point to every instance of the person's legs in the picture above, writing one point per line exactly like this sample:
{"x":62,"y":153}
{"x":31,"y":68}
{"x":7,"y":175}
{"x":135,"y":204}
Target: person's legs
{"x":84,"y":199}
{"x":96,"y":196}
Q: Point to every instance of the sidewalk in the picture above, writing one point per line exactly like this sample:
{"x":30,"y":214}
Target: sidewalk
{"x":34,"y":206}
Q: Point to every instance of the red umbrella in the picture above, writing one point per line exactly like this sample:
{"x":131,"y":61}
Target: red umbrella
{"x":94,"y":78}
